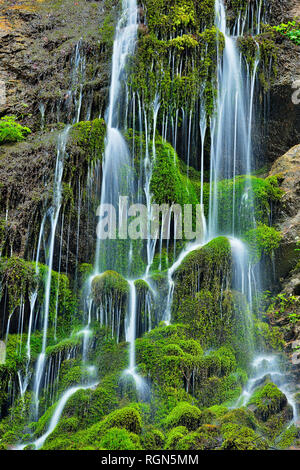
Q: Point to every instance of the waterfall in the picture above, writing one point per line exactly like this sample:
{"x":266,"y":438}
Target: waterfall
{"x":116,"y":161}
{"x":56,"y":416}
{"x":231,"y":149}
{"x":267,"y":366}
{"x":53,"y":213}
{"x":131,"y":327}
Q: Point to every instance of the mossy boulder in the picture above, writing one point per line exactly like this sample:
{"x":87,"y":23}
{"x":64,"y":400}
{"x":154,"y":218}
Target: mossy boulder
{"x":120,"y":439}
{"x":205,"y":268}
{"x":100,"y":435}
{"x":240,"y":416}
{"x":108,"y":283}
{"x":207,"y":437}
{"x":237,"y":437}
{"x":152,"y":439}
{"x":174,"y":436}
{"x":185,"y":415}
{"x":268,"y":400}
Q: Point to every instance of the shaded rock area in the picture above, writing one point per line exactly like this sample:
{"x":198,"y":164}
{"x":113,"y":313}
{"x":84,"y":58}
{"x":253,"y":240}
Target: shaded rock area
{"x":285,"y":313}
{"x":287,"y":217}
{"x":37,"y":52}
{"x":37,"y":43}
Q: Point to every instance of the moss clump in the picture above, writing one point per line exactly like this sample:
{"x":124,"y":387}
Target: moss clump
{"x":262,"y":240}
{"x":11,"y":130}
{"x":184,"y":31}
{"x":85,"y":148}
{"x":242,"y":438}
{"x":203,"y":298}
{"x":241,"y":417}
{"x":267,"y":401}
{"x":168,"y":185}
{"x":174,"y":436}
{"x":205,"y":438}
{"x":98,"y":435}
{"x":268,"y":337}
{"x":263,"y":46}
{"x":170,"y":358}
{"x":18,"y":277}
{"x":153,"y":439}
{"x":107,"y":283}
{"x":261,"y":193}
{"x":88,"y":137}
{"x":185,"y":415}
{"x":206,"y":268}
{"x":120,"y":439}
{"x":287,"y":438}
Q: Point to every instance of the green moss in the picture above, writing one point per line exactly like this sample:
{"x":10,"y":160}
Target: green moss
{"x":203,"y":298}
{"x":120,"y":439}
{"x":242,"y":438}
{"x":206,"y":438}
{"x":194,"y":43}
{"x":268,"y":337}
{"x":107,"y":283}
{"x":262,"y":194}
{"x":262,"y":240}
{"x":241,"y":417}
{"x":185,"y":415}
{"x":97,"y":435}
{"x":89,"y":137}
{"x":19,"y":278}
{"x":11,"y":130}
{"x":264,"y":45}
{"x":174,"y":437}
{"x":266,"y":401}
{"x":153,"y":439}
{"x":287,"y":438}
{"x":168,"y":185}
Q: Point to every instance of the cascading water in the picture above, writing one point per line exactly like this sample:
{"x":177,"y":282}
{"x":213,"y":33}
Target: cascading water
{"x":231,"y":129}
{"x":53,"y":212}
{"x":117,"y":179}
{"x":267,"y":367}
{"x":56,"y":416}
{"x":231,"y":155}
{"x":117,"y":174}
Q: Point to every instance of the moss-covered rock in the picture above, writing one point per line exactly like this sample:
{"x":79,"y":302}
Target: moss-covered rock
{"x":261,"y":194}
{"x":267,"y":401}
{"x":185,"y":415}
{"x":238,"y":437}
{"x":110,"y":292}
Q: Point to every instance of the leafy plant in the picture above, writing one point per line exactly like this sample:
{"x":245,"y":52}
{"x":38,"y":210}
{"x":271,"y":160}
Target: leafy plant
{"x":11,"y":130}
{"x":291,"y":30}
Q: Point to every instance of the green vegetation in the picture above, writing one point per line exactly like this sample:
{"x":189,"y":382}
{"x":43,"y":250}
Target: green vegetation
{"x":262,"y":240}
{"x":290,"y":30}
{"x":261,"y":194}
{"x":195,"y":369}
{"x":11,"y":130}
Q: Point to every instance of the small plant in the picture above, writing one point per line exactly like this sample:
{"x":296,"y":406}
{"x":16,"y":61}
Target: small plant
{"x":291,"y":30}
{"x":11,"y":130}
{"x":282,"y":304}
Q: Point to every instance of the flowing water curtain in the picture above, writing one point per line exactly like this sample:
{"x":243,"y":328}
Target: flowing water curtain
{"x":48,"y":231}
{"x":117,"y":169}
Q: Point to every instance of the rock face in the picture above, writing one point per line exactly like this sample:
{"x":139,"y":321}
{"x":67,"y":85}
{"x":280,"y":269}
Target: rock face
{"x":287,"y":217}
{"x":37,"y":52}
{"x":37,"y":42}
